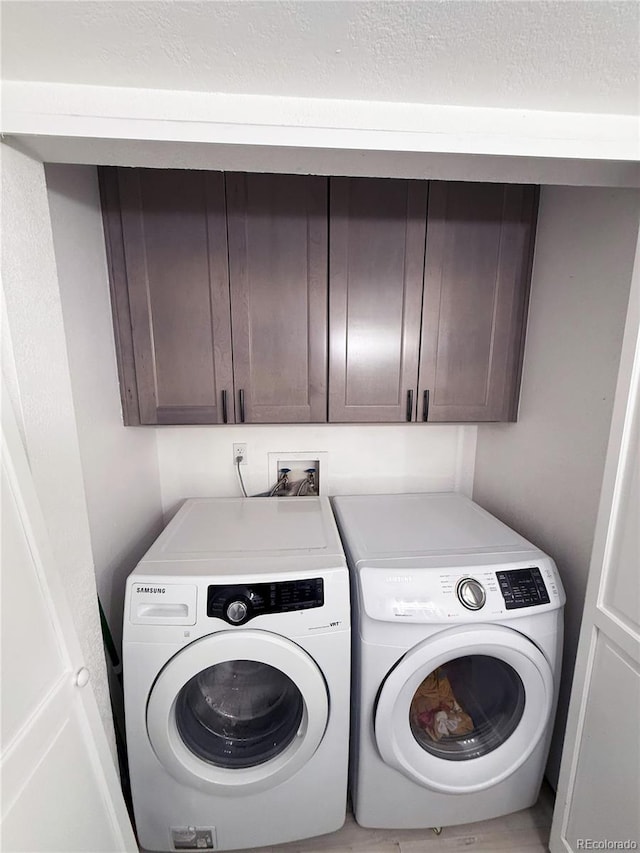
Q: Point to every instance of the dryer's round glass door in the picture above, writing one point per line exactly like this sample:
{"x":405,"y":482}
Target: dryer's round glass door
{"x":462,"y":710}
{"x":467,"y":707}
{"x":239,"y":713}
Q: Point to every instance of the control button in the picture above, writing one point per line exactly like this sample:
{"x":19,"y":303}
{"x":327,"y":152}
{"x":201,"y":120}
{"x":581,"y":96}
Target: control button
{"x":236,"y":611}
{"x":471,"y":594}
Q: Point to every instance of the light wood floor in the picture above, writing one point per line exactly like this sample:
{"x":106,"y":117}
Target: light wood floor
{"x":523,"y":832}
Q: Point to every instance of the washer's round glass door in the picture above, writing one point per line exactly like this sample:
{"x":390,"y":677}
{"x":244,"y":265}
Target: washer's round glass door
{"x":239,"y":713}
{"x":464,"y":709}
{"x":467,"y":707}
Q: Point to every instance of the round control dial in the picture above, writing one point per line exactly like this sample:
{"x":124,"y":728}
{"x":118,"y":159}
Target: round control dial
{"x":236,"y":612}
{"x":471,"y":594}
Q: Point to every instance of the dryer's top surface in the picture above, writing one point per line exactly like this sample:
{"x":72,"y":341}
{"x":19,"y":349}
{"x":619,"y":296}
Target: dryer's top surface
{"x":439,"y":527}
{"x":248,"y":529}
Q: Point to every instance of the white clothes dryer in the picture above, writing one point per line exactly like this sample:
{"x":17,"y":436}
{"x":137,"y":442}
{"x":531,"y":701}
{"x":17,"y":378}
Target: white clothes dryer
{"x":236,"y":653}
{"x":456,"y":660}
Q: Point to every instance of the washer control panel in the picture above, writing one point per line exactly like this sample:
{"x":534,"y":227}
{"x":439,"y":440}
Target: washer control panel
{"x":522,"y":588}
{"x":238,"y":603}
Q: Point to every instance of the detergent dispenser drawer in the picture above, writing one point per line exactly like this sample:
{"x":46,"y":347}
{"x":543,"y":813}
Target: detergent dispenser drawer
{"x":163,"y":604}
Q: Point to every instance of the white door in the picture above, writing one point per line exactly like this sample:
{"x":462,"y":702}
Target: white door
{"x":237,"y":711}
{"x":598,"y":800}
{"x":60,"y":789}
{"x":499,"y":688}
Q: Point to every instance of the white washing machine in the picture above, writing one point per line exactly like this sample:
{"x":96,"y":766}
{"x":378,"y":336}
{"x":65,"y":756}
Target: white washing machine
{"x":456,"y":660}
{"x":236,"y":655}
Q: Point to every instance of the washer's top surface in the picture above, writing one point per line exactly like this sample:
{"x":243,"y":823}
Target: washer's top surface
{"x":251,"y":530}
{"x":442,"y":525}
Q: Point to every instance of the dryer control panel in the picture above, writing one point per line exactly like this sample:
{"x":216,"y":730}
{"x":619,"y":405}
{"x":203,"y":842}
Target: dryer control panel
{"x":468,"y":592}
{"x":238,"y":603}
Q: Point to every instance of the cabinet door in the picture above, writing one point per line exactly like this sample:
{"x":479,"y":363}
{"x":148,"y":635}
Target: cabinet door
{"x":476,"y":287}
{"x":377,"y":234}
{"x":166,"y":233}
{"x":278,"y":271}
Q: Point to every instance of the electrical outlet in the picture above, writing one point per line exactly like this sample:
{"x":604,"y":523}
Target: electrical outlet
{"x":240,"y":449}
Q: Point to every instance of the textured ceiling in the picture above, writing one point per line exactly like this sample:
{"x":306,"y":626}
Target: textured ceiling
{"x":567,"y":55}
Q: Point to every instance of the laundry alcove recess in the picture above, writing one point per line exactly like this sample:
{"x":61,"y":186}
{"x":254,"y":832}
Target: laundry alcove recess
{"x":263,"y":298}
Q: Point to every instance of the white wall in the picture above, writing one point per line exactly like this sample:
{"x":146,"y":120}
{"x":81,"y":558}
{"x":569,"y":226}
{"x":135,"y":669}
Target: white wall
{"x":198,"y":461}
{"x":119,"y":465}
{"x":41,"y":393}
{"x":414,"y":53}
{"x":543,"y":474}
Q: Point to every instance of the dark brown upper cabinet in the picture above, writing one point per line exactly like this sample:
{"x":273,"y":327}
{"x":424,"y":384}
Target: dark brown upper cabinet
{"x":278,"y":272}
{"x":167,"y":252}
{"x":428,"y":335}
{"x":219,"y":289}
{"x":376,"y":262}
{"x":476,"y":289}
{"x":264,"y":298}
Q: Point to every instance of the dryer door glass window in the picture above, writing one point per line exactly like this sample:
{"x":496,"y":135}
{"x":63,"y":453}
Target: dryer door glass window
{"x":239,"y":713}
{"x":467,"y":707}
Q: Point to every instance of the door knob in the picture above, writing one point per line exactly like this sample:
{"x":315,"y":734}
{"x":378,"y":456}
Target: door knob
{"x":82,"y":677}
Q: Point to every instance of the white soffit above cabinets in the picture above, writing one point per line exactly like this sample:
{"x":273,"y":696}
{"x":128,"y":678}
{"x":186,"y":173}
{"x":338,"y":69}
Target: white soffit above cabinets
{"x":530,"y":55}
{"x":488,"y":78}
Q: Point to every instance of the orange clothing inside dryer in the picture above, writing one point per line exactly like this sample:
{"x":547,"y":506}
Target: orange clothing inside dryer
{"x":435,"y":710}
